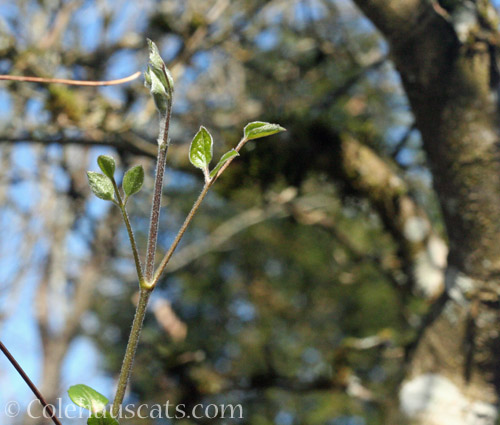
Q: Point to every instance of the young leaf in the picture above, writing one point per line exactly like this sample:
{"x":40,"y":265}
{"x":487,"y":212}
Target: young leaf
{"x":258,"y":129}
{"x":107,"y":165}
{"x":88,"y":398}
{"x":154,"y":55}
{"x":158,"y":91}
{"x":170,"y":79}
{"x":147,"y":77}
{"x":133,"y":180}
{"x":226,"y":157}
{"x":101,"y":186}
{"x":200,"y":151}
{"x":158,"y":67}
{"x":103,"y":418}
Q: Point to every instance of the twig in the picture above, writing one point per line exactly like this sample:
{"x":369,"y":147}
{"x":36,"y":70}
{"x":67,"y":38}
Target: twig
{"x":144,"y":282}
{"x":180,"y":234}
{"x":189,"y":218}
{"x":30,"y":384}
{"x":133,"y":341}
{"x":70,"y":82}
{"x":155,"y":212}
{"x":163,"y":144}
{"x":130,"y":232}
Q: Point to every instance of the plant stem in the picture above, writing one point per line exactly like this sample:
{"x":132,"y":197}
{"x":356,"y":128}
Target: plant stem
{"x":163,"y":143}
{"x":189,"y":218}
{"x":133,"y":341}
{"x":238,"y":147}
{"x":131,"y":236}
{"x":30,"y":384}
{"x":155,"y":212}
{"x":180,"y":234}
{"x":132,"y":244}
{"x":146,"y":289}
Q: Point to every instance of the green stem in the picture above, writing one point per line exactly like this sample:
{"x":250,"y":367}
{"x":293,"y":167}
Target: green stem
{"x":133,"y":341}
{"x":130,"y":232}
{"x":189,"y":218}
{"x":180,"y":234}
{"x":146,"y":288}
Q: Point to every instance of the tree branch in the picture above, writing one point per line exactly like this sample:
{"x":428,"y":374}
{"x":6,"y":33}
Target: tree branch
{"x":422,"y":250}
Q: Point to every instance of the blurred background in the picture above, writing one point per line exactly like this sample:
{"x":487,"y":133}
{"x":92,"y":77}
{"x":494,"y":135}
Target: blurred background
{"x":295,"y":293}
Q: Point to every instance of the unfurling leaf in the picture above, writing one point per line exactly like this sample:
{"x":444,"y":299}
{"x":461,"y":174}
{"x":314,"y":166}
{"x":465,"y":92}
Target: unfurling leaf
{"x":158,"y":67}
{"x":158,"y":79}
{"x":88,"y":398}
{"x":158,"y":91}
{"x":200,"y":151}
{"x":147,"y":78}
{"x":102,"y":419}
{"x":133,"y":180}
{"x":107,"y":165}
{"x":101,"y":186}
{"x":258,"y":129}
{"x":226,"y":157}
{"x":154,"y":55}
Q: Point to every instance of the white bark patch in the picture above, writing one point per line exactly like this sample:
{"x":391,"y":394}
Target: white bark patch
{"x":429,"y":268}
{"x":432,"y":399}
{"x":416,"y":229}
{"x":458,"y":285}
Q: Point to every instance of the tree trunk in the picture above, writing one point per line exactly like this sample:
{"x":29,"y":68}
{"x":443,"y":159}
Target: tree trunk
{"x":448,"y":71}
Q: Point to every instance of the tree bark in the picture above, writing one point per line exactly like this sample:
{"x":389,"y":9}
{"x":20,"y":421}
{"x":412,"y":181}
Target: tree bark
{"x":448,"y":70}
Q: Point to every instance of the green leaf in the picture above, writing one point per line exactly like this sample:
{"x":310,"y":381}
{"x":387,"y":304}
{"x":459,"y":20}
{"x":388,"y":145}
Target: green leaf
{"x":200,"y":151}
{"x":159,"y":69}
{"x":170,"y":79}
{"x":258,"y":129}
{"x":158,"y":79}
{"x":154,"y":55}
{"x":101,"y":186}
{"x":88,"y":398}
{"x":107,"y":165}
{"x":103,"y":418}
{"x":147,"y":78}
{"x":158,"y":91}
{"x":226,"y":157}
{"x":133,"y":180}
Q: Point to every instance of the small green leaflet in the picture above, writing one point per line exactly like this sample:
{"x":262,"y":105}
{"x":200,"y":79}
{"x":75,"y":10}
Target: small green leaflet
{"x":200,"y":151}
{"x":88,"y":398}
{"x":226,"y":157}
{"x":107,"y":165}
{"x":258,"y":129}
{"x":101,"y":186}
{"x":102,"y":419}
{"x":133,"y":180}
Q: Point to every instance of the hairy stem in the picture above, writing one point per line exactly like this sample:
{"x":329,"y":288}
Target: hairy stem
{"x":189,"y":218}
{"x":240,"y":145}
{"x":180,"y":234}
{"x":133,"y":341}
{"x":131,"y":236}
{"x":133,"y":244}
{"x":145,"y":291}
{"x":163,"y":143}
{"x":155,"y":211}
